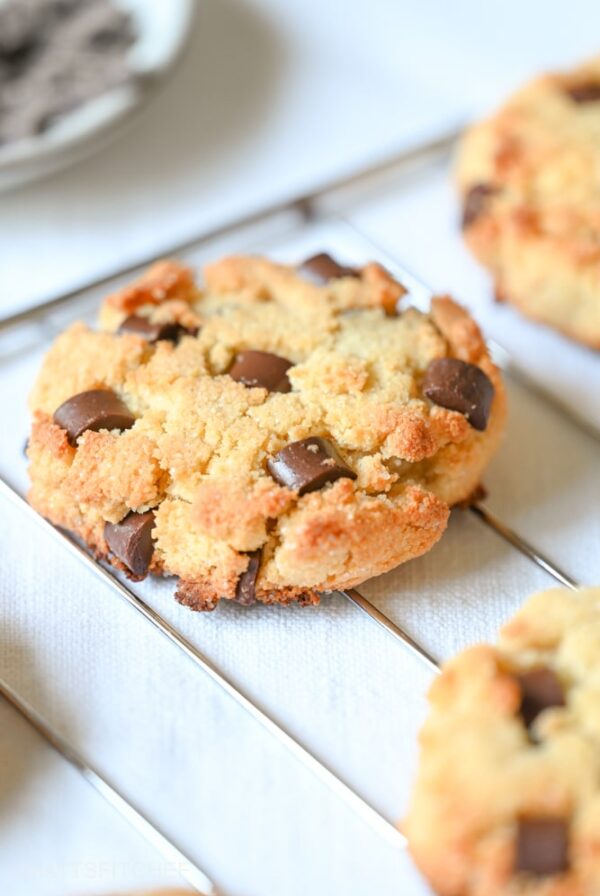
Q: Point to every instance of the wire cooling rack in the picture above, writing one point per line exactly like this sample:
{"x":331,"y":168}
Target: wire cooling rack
{"x":278,"y":231}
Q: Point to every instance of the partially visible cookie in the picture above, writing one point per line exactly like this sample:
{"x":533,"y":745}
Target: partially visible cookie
{"x":530,"y":182}
{"x":270,"y":435}
{"x":507,"y":797}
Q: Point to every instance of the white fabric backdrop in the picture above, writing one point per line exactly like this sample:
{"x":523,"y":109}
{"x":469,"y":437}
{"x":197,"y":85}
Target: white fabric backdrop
{"x":287,"y":93}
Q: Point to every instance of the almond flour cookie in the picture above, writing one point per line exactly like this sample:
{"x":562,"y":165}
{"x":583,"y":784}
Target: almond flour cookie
{"x":269,"y":435}
{"x":507,"y":798}
{"x":530,"y":181}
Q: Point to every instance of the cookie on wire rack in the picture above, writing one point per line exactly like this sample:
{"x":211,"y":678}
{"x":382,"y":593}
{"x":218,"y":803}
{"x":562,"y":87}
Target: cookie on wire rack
{"x":507,"y":795}
{"x":529,"y":177}
{"x":275,"y":433}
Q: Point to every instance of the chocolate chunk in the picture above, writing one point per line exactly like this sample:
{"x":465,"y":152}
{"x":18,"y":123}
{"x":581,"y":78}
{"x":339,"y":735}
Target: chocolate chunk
{"x":540,"y":689}
{"x":476,"y":202}
{"x":322,"y":268}
{"x":245,"y":592}
{"x":25,"y":448}
{"x":131,"y":541}
{"x":585,"y":93}
{"x":153,"y":332}
{"x":499,"y":294}
{"x":460,"y":386}
{"x":542,"y":846}
{"x":96,"y":409}
{"x":254,"y":368}
{"x":308,"y":465}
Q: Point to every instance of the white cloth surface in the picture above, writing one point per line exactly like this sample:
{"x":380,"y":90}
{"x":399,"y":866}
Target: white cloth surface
{"x":324,"y":96}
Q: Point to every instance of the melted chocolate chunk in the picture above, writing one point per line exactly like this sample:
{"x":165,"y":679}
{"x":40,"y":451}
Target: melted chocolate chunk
{"x":322,"y":268}
{"x":245,"y":593}
{"x":540,"y":689}
{"x":252,"y":368}
{"x":475,"y":203}
{"x":460,"y":386}
{"x":96,"y":409}
{"x":585,"y":93}
{"x":131,"y":541}
{"x":153,"y":332}
{"x":542,"y":846}
{"x":308,"y":465}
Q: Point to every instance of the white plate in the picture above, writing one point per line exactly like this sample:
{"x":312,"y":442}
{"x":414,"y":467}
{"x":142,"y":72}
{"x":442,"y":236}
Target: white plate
{"x":162,"y":27}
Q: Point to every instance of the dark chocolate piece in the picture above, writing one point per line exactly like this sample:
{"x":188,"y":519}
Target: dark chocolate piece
{"x":308,"y":465}
{"x":540,"y":689}
{"x":475,"y":203}
{"x":171,"y":332}
{"x":245,"y":592}
{"x":253,"y":368}
{"x":322,"y":268}
{"x":131,"y":541}
{"x":95,"y":409}
{"x":460,"y":386}
{"x":542,"y":846}
{"x":586,"y":92}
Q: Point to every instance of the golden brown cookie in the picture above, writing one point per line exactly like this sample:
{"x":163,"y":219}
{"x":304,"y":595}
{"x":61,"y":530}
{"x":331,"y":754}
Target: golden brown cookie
{"x":270,"y":435}
{"x":507,"y":797}
{"x":530,"y":181}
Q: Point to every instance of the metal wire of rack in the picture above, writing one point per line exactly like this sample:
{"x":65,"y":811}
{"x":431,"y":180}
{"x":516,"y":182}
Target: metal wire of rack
{"x":192,"y":874}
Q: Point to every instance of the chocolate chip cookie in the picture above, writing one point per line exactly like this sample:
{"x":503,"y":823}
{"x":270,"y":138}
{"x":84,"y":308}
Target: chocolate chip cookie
{"x":530,"y":181}
{"x":507,"y":797}
{"x":272,"y":434}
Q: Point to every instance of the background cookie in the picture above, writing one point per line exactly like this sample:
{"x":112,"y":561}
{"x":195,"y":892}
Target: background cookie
{"x":507,"y":798}
{"x":530,"y":181}
{"x":272,"y":435}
